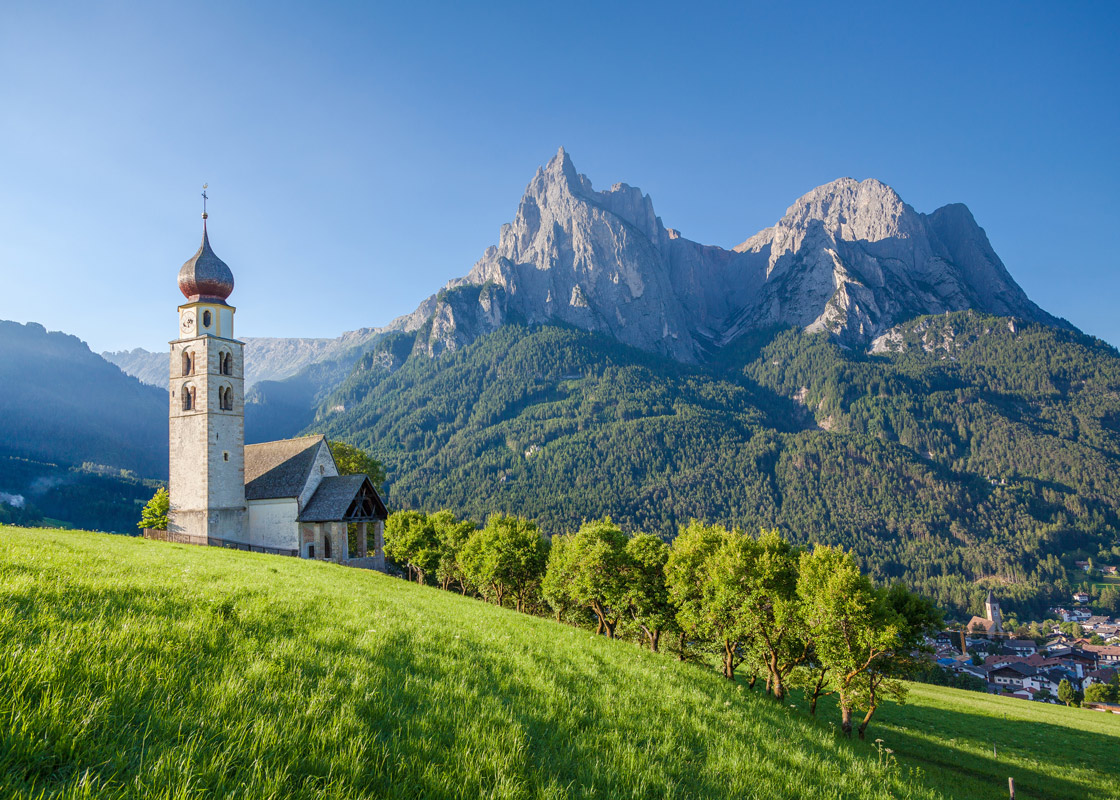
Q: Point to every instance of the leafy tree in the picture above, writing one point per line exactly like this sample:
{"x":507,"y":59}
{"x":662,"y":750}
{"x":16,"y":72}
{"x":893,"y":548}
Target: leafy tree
{"x":596,"y":563}
{"x":647,"y":594}
{"x":155,"y":512}
{"x":452,"y":534}
{"x":1100,"y":693}
{"x":1066,"y":693}
{"x":686,"y":576}
{"x":506,"y":557}
{"x":411,"y":540}
{"x":851,"y":625}
{"x":556,"y":585}
{"x":352,"y":460}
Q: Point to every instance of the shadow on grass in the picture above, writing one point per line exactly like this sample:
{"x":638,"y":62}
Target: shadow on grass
{"x":989,"y":773}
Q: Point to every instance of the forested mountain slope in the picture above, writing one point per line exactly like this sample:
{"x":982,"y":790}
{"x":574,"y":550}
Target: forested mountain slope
{"x":61,"y":402}
{"x":973,"y":451}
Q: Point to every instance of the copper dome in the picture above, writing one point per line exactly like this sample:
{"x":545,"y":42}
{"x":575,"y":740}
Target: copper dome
{"x":205,"y":277}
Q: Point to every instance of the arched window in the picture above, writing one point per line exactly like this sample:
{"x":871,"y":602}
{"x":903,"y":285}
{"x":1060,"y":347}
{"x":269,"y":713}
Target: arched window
{"x":225,"y":398}
{"x":326,"y":545}
{"x":225,"y":363}
{"x":206,"y":319}
{"x":188,"y":398}
{"x":188,"y":363}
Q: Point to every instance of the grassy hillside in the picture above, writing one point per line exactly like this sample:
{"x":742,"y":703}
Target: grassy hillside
{"x":977,"y":454}
{"x":139,"y":669}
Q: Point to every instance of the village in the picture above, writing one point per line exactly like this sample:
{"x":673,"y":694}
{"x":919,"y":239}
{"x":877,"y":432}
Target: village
{"x":1070,"y":654}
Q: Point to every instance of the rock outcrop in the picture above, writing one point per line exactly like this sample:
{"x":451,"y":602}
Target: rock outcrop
{"x":850,"y":258}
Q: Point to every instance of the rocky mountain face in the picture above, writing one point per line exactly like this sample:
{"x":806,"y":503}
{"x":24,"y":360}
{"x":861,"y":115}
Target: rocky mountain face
{"x":266,"y":358}
{"x":850,"y":258}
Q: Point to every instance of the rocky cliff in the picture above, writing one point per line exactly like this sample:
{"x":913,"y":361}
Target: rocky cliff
{"x":849,"y":257}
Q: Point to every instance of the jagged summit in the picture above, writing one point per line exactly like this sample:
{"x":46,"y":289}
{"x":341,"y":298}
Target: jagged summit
{"x":849,"y":257}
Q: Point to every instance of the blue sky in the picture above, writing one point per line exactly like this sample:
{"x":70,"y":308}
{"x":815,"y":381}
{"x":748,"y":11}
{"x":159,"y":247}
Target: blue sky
{"x":360,"y":155}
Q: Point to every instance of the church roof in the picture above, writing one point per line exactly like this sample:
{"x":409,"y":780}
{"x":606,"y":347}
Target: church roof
{"x":204,"y":276}
{"x":279,"y":469}
{"x":344,"y":497}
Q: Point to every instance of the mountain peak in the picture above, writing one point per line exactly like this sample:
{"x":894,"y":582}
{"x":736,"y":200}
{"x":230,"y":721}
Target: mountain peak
{"x":848,"y":257}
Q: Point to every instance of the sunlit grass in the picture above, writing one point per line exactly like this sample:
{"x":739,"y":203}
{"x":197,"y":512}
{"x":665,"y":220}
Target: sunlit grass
{"x":143,"y":669}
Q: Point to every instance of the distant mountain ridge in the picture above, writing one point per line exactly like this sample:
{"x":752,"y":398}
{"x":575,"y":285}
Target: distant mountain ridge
{"x":266,"y":358}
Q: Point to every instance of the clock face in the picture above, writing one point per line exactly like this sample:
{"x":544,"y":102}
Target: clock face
{"x":188,"y":323}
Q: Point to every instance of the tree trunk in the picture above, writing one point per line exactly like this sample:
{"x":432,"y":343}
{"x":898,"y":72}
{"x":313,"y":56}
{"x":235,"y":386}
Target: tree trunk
{"x":729,"y":660}
{"x":559,"y":612}
{"x":680,"y":651}
{"x":817,"y":692}
{"x":655,"y":640}
{"x":752,"y":681}
{"x":866,"y":719}
{"x":845,"y":716}
{"x":610,"y":627}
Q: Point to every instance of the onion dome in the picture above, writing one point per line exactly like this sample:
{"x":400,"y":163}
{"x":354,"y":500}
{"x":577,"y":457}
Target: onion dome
{"x":205,"y":277}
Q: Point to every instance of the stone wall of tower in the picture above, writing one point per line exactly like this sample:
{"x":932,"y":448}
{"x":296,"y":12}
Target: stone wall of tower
{"x":207,"y":442}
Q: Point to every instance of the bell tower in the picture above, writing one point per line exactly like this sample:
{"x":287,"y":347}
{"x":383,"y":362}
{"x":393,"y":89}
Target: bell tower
{"x":207,"y":413}
{"x":991,"y":611}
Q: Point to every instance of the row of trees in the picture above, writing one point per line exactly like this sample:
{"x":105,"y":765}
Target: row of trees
{"x":753,"y":604}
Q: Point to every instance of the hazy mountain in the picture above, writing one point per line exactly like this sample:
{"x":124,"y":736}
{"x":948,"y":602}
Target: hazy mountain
{"x":266,"y":358}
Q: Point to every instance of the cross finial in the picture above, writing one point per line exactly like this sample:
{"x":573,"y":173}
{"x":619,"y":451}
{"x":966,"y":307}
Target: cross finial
{"x":204,"y":199}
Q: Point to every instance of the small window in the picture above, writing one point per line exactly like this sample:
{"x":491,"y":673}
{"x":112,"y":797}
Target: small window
{"x":327,"y":546}
{"x":225,"y":456}
{"x":311,"y":551}
{"x":322,"y":470}
{"x":188,"y":363}
{"x":188,"y":398}
{"x":206,"y":317}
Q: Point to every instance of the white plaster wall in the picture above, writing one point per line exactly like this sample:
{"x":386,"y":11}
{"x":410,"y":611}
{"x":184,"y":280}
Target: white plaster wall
{"x":274,"y":523}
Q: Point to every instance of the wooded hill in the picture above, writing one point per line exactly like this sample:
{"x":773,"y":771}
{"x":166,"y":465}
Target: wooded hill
{"x":973,"y":452}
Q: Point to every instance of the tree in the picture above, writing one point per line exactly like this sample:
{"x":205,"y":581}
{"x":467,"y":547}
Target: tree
{"x":851,"y":625}
{"x":1066,"y":693}
{"x":411,"y":540}
{"x":647,"y":594}
{"x":507,"y":556}
{"x":1100,"y":693}
{"x":155,"y":512}
{"x":596,"y":563}
{"x":770,"y":610}
{"x":352,"y":460}
{"x":686,"y":575}
{"x":557,"y":582}
{"x":451,"y":534}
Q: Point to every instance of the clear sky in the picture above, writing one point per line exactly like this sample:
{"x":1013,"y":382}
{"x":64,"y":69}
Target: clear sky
{"x":359,"y":155}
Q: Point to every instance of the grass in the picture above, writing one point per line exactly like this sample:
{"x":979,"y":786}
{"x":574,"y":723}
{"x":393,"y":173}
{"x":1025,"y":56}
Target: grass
{"x":143,"y":669}
{"x":968,"y":744}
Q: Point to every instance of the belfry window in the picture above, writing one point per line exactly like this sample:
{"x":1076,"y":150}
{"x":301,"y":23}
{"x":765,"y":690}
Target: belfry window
{"x":225,"y":363}
{"x":225,"y":398}
{"x":188,"y":398}
{"x":188,"y":363}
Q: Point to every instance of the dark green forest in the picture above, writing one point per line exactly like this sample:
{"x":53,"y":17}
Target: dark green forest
{"x":979,"y":452}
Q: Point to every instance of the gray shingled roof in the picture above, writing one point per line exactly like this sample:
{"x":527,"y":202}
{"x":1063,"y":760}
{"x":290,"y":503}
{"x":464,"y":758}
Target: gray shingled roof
{"x":335,"y":495}
{"x":279,"y":469}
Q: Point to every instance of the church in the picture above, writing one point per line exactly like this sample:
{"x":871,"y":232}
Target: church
{"x":991,"y":623}
{"x":283,"y":497}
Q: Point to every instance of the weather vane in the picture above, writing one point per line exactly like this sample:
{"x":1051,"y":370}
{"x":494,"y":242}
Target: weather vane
{"x":204,"y":199}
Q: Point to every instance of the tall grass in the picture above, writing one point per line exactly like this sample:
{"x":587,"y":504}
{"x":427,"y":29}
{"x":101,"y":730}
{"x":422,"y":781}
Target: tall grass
{"x":131,"y":668}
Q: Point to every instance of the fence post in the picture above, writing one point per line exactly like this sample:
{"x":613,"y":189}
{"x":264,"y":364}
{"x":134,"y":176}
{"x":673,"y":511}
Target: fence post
{"x":1011,"y":787}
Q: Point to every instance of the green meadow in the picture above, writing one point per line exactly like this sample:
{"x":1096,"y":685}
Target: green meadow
{"x":131,"y":668}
